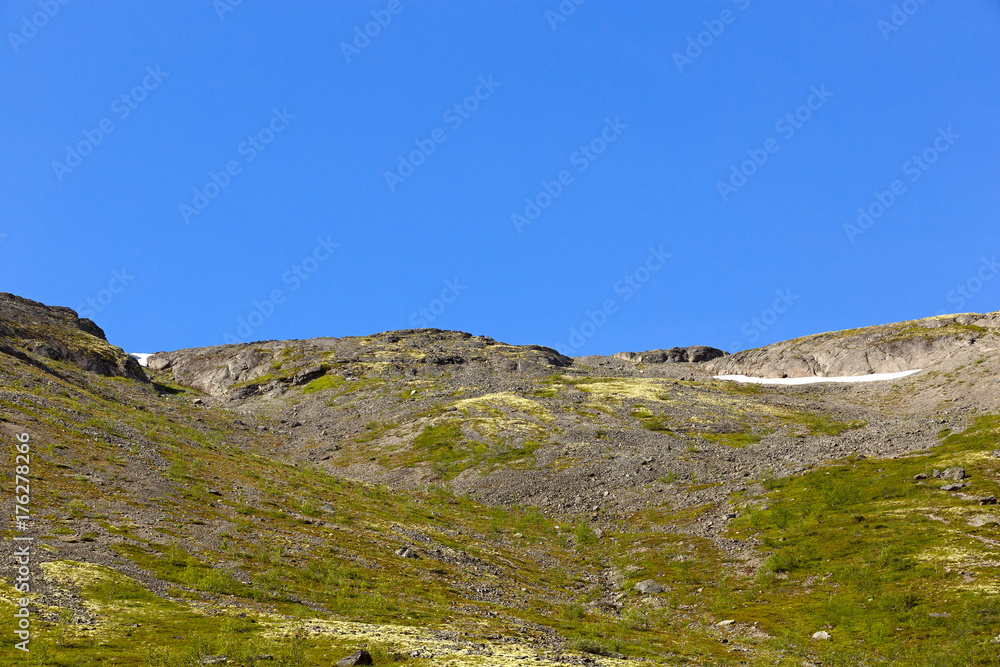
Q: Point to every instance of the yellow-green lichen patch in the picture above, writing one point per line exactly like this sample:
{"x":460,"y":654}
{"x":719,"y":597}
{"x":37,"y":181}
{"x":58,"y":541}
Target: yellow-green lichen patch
{"x":624,"y":388}
{"x":515,"y":402}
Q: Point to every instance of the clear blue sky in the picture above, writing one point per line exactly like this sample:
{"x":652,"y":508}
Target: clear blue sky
{"x":115,"y":113}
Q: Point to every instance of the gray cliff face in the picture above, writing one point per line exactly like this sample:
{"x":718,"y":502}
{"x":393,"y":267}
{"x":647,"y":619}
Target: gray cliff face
{"x":675,"y":355}
{"x":917,"y":344}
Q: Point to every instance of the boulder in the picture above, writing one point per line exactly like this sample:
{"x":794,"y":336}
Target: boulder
{"x":649,"y":587}
{"x":955,"y":474}
{"x":361,"y":657}
{"x":983,"y":520}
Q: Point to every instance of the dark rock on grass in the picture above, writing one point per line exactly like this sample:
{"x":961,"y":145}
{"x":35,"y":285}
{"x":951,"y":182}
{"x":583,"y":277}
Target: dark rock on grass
{"x":357,"y":658}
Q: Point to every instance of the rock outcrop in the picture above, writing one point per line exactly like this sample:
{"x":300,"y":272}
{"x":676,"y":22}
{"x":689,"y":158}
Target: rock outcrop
{"x":882,"y":349}
{"x":675,"y":355}
{"x":30,"y":330}
{"x":254,"y":368}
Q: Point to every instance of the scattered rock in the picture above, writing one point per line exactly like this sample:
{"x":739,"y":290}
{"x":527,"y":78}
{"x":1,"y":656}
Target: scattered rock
{"x":920,"y":475}
{"x":725,"y":624}
{"x":952,"y":487}
{"x":357,"y":658}
{"x":649,"y":587}
{"x":955,"y":474}
{"x":404,"y":552}
{"x":983,"y":520}
{"x":988,"y":500}
{"x":822,"y":635}
{"x":215,"y":660}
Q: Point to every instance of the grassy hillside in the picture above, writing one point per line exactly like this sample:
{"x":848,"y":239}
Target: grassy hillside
{"x":173,"y":527}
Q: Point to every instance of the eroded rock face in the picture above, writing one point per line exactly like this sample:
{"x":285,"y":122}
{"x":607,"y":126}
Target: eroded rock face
{"x":916,"y":344}
{"x":675,"y":355}
{"x":30,"y":330}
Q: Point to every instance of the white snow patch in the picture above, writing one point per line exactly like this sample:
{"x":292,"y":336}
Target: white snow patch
{"x":874,"y":377}
{"x":141,"y":356}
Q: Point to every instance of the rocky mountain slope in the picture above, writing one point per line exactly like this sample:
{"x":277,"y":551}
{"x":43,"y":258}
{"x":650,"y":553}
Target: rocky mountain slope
{"x":436,"y":495}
